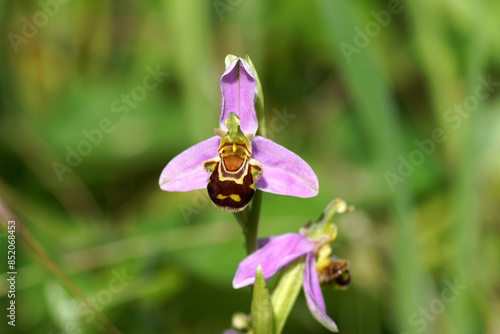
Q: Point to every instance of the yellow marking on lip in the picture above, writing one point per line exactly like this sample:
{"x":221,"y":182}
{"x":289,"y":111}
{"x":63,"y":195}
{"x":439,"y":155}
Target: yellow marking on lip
{"x":234,"y":197}
{"x":239,"y":180}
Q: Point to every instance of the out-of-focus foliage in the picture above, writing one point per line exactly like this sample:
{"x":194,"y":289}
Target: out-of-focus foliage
{"x":394,"y":104}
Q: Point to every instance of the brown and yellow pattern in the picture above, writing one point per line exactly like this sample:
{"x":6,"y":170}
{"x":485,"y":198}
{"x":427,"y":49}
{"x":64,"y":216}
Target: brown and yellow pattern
{"x":334,"y":273}
{"x":232,"y":183}
{"x":233,"y":173}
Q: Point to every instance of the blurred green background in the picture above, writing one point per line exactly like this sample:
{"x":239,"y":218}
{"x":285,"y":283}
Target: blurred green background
{"x":394,"y":105}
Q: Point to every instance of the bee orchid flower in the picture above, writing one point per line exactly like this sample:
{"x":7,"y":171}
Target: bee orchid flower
{"x":236,"y":162}
{"x":312,"y":246}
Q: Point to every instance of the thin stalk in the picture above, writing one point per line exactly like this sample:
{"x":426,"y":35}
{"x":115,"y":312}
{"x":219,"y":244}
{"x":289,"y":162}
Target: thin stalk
{"x":249,"y":221}
{"x":253,"y":223}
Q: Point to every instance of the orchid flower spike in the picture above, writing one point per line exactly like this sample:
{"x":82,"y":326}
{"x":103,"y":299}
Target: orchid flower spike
{"x":312,"y":245}
{"x":236,"y":162}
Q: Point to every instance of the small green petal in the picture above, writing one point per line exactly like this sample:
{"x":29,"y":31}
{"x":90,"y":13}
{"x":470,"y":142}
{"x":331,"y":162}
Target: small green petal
{"x":229,"y":59}
{"x":262,"y":308}
{"x":323,"y":226}
{"x":233,"y":125}
{"x":286,"y":292}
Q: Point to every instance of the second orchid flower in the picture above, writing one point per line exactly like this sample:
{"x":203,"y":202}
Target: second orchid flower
{"x":312,"y":248}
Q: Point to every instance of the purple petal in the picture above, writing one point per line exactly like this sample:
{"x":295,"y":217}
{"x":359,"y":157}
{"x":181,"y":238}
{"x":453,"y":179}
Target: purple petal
{"x":285,"y":173}
{"x":314,"y":296}
{"x":276,"y":254}
{"x":238,"y":87}
{"x":185,"y":172}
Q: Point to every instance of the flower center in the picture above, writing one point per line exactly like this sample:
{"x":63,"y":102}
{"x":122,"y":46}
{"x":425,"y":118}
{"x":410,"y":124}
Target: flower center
{"x":233,"y":173}
{"x":331,"y":270}
{"x":233,"y":162}
{"x":336,"y":274}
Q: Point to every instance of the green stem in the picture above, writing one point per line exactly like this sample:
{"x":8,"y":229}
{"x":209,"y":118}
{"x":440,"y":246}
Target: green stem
{"x":249,"y":221}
